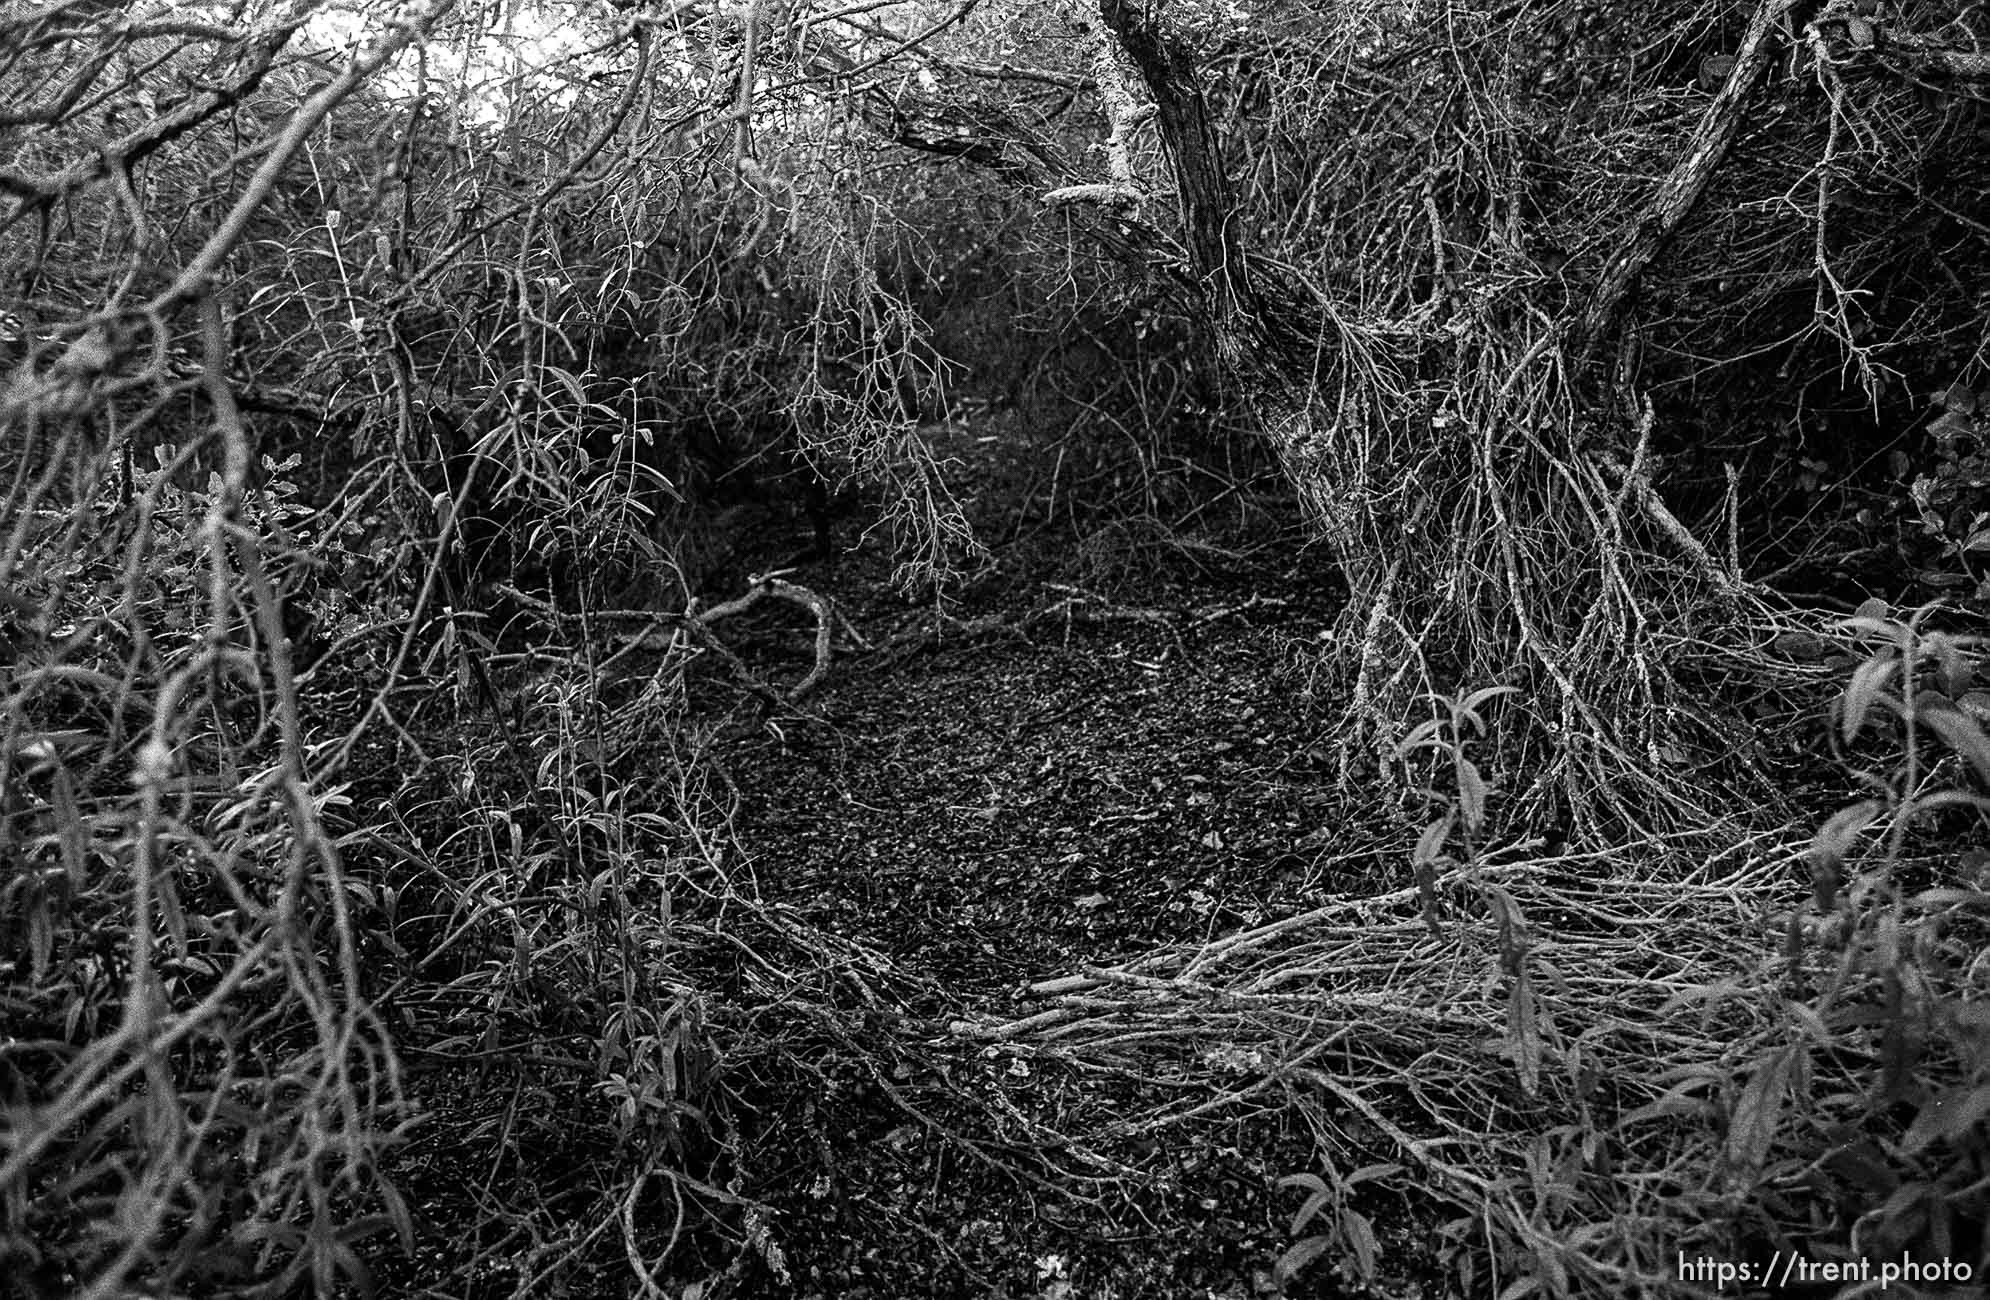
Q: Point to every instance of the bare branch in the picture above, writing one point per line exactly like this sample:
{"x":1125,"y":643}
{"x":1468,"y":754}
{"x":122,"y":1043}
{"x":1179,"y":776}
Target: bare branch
{"x":1688,"y":181}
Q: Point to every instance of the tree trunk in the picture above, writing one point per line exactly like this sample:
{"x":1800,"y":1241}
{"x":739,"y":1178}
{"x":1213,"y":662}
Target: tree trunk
{"x":1259,"y":333}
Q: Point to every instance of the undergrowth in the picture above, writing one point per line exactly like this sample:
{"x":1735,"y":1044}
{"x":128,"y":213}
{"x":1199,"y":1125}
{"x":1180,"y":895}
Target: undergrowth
{"x":372,"y":910}
{"x":1738,"y":1042}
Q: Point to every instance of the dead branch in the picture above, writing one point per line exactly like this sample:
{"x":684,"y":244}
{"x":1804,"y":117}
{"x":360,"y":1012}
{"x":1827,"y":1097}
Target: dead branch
{"x":699,"y":624}
{"x":1687,"y":182}
{"x":37,"y":192}
{"x":1077,"y":606}
{"x":762,"y":586}
{"x":1844,"y":38}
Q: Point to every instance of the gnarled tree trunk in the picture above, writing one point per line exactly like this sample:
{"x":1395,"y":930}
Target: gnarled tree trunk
{"x":1270,"y":335}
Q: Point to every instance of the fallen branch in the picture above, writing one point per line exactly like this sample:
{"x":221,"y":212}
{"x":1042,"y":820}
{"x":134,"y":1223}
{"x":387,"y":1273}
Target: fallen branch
{"x":761,"y":586}
{"x":1635,"y":480}
{"x":1077,"y":606}
{"x":699,"y":624}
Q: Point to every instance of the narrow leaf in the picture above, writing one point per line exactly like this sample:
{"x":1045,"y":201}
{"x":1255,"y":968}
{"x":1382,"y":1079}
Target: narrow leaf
{"x":1759,"y":1111}
{"x":397,"y":1213}
{"x":1946,"y":1117}
{"x":1471,"y":795}
{"x":73,"y":829}
{"x":1297,"y":1256}
{"x":1430,"y":844}
{"x":1360,"y":1237}
{"x":1310,"y":1210}
{"x":1862,"y":690}
{"x":1472,"y":702}
{"x":1964,"y":736}
{"x":1523,"y":1035}
{"x":1833,"y":844}
{"x":1865,"y":1166}
{"x":1678,"y":1100}
{"x":1425,"y":733}
{"x":1954,"y":672}
{"x":1426,"y":888}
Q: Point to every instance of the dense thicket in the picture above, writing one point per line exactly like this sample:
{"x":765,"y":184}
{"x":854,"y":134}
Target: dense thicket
{"x":395,"y":401}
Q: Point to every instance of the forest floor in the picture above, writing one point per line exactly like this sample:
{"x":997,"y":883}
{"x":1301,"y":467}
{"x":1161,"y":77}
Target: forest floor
{"x":1094,"y":771}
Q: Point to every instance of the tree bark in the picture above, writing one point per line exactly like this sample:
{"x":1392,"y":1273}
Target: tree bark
{"x":1249,"y":337}
{"x":1686,"y":183}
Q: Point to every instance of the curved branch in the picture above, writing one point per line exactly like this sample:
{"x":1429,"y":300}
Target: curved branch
{"x":36,"y":192}
{"x":404,"y":31}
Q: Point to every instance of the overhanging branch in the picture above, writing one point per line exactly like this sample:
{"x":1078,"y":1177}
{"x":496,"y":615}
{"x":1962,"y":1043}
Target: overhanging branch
{"x":1686,"y":183}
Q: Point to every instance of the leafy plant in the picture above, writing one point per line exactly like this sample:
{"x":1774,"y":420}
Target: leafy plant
{"x":1953,"y":497}
{"x":1464,"y":804}
{"x":1329,"y":1203}
{"x":1892,"y":944}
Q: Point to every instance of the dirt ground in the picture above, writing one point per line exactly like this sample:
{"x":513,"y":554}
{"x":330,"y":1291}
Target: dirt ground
{"x":1063,"y":776}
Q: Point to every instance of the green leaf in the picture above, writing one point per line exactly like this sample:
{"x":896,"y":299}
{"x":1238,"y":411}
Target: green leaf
{"x":73,"y":829}
{"x":1863,"y":1165}
{"x":1426,"y":889}
{"x":1523,"y":1034}
{"x":1905,"y":1213}
{"x":1513,"y":929}
{"x":1863,"y":689}
{"x":1954,"y":670}
{"x":1833,"y":844}
{"x":1297,"y":1256}
{"x":1471,"y":702}
{"x":1758,"y":1113}
{"x":1424,"y":735}
{"x":1471,"y":795}
{"x":397,"y":1213}
{"x":1947,"y":1117}
{"x":1430,"y":845}
{"x":1320,"y":1198}
{"x":1677,"y":1101}
{"x":1551,"y":1268}
{"x":1803,"y":646}
{"x":1360,"y":1237}
{"x":1963,"y":735}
